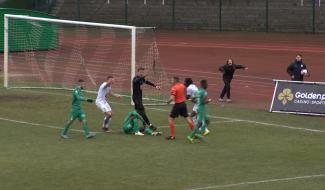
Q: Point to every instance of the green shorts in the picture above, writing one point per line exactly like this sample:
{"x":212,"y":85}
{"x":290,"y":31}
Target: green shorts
{"x":77,"y":114}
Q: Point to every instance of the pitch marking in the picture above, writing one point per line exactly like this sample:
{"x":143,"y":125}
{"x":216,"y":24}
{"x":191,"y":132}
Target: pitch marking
{"x":258,"y":182}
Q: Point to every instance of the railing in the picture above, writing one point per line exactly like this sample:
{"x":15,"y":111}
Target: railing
{"x":222,"y":15}
{"x":43,"y":5}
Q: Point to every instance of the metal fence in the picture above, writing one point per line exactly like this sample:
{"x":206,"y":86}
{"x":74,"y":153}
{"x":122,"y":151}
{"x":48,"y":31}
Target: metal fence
{"x":222,"y":15}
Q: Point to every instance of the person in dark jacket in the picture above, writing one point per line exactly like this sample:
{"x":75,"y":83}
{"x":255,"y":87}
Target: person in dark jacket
{"x":228,"y":71}
{"x":297,"y":69}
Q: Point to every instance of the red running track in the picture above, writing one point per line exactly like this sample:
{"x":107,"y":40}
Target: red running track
{"x":198,"y":54}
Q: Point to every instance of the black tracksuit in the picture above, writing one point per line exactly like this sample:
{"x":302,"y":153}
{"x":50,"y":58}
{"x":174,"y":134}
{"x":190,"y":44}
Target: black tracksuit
{"x":228,"y":73}
{"x":137,"y":96}
{"x":294,"y":69}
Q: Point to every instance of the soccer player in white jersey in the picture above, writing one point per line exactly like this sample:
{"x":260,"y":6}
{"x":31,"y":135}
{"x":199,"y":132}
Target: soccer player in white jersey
{"x":191,"y":90}
{"x":101,"y":102}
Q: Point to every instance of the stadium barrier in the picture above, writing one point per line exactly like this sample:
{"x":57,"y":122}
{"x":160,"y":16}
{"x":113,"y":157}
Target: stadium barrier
{"x":298,"y":97}
{"x":220,"y":15}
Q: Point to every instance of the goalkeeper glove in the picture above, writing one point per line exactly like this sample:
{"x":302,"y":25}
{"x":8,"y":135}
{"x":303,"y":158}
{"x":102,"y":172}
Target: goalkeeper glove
{"x":90,"y":100}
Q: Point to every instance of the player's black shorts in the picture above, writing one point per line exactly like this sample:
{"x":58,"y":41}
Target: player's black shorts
{"x":179,"y":109}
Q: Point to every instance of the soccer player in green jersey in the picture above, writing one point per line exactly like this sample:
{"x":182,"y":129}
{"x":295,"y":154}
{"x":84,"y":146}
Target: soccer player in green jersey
{"x":131,"y":125}
{"x":201,"y":99}
{"x":77,"y":112}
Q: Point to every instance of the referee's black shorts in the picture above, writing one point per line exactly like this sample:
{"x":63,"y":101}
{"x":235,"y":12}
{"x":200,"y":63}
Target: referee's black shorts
{"x":179,"y":109}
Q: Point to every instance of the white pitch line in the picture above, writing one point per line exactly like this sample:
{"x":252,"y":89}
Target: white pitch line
{"x":258,"y":182}
{"x":258,"y":122}
{"x":77,"y":130}
{"x":38,"y":124}
{"x":60,"y":94}
{"x":275,"y":125}
{"x":214,"y":122}
{"x":218,"y":117}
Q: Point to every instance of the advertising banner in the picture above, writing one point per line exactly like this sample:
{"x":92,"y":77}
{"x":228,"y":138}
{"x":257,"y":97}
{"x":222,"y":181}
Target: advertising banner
{"x":298,"y":97}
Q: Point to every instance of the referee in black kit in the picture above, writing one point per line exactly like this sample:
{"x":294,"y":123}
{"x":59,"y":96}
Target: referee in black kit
{"x":137,"y":83}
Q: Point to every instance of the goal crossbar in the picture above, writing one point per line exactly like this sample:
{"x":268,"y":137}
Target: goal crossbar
{"x":69,"y":21}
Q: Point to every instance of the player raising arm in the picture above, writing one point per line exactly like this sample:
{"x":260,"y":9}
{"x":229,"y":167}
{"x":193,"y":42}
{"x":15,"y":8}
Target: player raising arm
{"x":131,"y":125}
{"x":137,"y":83}
{"x":77,"y":112}
{"x":201,"y":100}
{"x":228,"y":71}
{"x":104,"y":90}
{"x":178,"y":96}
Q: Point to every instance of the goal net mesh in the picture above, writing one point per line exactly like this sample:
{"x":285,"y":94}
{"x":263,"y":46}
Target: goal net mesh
{"x":44,"y":54}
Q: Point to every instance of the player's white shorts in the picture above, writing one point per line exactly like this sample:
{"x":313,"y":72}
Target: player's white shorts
{"x":104,"y":106}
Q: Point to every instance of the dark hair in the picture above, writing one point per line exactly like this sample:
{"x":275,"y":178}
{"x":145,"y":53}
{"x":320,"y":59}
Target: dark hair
{"x":176,"y":79}
{"x":81,"y":80}
{"x":109,"y":77}
{"x":299,"y":55}
{"x":188,"y":82}
{"x":204,"y":83}
{"x":141,"y":69}
{"x":231,"y":60}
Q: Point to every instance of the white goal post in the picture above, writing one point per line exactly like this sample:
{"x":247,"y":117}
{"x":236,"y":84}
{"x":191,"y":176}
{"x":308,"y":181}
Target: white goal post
{"x":54,"y":53}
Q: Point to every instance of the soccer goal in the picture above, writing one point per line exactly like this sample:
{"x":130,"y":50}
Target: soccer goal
{"x":54,"y":54}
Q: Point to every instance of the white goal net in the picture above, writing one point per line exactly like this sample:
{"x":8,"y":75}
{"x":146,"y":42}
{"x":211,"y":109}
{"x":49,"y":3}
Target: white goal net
{"x":54,"y":54}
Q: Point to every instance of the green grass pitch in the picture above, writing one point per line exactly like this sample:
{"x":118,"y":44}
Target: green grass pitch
{"x":246,"y":150}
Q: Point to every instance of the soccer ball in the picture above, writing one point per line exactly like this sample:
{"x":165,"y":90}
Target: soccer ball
{"x":304,"y":72}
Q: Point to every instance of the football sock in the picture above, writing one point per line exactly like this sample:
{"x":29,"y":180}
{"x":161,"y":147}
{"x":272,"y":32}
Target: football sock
{"x":107,"y":120}
{"x":195,"y":131}
{"x":172,"y":128}
{"x":194,"y":120}
{"x":66,"y":129}
{"x":86,"y":129}
{"x":191,"y":125}
{"x":203,"y":127}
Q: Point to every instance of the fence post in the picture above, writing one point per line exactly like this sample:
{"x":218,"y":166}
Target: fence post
{"x":126,"y":12}
{"x":220,"y":15}
{"x":314,"y":16}
{"x":48,"y":6}
{"x":173,"y":14}
{"x":78,"y":9}
{"x":267,"y":16}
